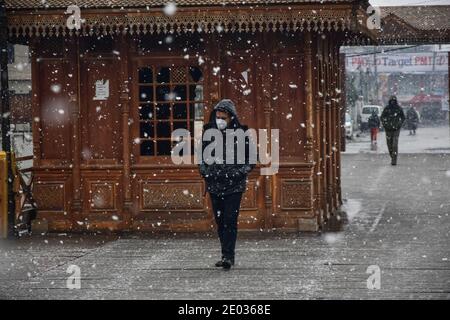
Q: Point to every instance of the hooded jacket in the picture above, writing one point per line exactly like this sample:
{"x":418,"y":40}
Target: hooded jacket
{"x":224,"y":178}
{"x":392,"y":116}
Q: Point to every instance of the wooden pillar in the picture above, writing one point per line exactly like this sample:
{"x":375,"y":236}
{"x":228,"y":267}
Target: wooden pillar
{"x":309,"y":146}
{"x":341,"y":117}
{"x":329,"y":125}
{"x":309,"y":97}
{"x":76,"y":136}
{"x":322,"y":126}
{"x":36,"y":124}
{"x":124,"y":44}
{"x":336,"y":120}
{"x":317,"y":130}
{"x":266,"y":100}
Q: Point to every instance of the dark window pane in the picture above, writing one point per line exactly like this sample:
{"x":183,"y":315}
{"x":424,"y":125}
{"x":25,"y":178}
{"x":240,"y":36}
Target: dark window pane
{"x":146,"y":94}
{"x":191,"y":128}
{"x":147,"y":130}
{"x":145,"y":75}
{"x":162,"y":111}
{"x":195,"y":92}
{"x":179,"y":111}
{"x":195,"y":74}
{"x":180,"y":93}
{"x":147,"y":148}
{"x":180,"y":125}
{"x":146,"y":112}
{"x":163,"y":75}
{"x":163,"y":129}
{"x":191,"y":110}
{"x":164,"y":147}
{"x":162,"y":93}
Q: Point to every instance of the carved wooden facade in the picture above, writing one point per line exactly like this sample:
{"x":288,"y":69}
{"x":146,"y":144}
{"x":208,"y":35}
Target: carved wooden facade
{"x":103,"y":164}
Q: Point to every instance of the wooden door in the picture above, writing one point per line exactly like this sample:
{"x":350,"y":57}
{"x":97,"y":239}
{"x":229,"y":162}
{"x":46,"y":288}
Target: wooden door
{"x":240,"y":84}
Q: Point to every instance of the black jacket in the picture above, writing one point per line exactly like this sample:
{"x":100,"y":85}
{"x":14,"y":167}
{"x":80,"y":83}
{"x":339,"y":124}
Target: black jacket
{"x":223,"y":179}
{"x":374,"y":121}
{"x":412,"y":118}
{"x":392,"y":117}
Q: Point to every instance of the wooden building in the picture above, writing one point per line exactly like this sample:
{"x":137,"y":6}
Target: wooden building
{"x":107,"y":96}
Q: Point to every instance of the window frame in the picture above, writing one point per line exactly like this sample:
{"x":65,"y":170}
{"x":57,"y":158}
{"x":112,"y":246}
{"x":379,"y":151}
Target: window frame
{"x":135,"y":102}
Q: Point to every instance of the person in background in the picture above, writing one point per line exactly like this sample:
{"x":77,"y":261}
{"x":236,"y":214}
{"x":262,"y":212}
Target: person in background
{"x":412,"y":120}
{"x":374,"y":125}
{"x":393,"y":118}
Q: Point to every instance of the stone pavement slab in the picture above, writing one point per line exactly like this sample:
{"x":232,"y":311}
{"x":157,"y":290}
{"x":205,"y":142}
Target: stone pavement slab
{"x":396,"y":218}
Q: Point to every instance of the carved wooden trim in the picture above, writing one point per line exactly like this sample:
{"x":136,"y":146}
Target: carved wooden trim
{"x":50,"y":195}
{"x":171,"y":196}
{"x":102,"y":196}
{"x":248,"y":201}
{"x":296,"y":195}
{"x":53,"y":22}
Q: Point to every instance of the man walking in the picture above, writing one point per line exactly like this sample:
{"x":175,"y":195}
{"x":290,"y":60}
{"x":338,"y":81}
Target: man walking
{"x":393,"y":119}
{"x":412,"y":120}
{"x":226,"y":181}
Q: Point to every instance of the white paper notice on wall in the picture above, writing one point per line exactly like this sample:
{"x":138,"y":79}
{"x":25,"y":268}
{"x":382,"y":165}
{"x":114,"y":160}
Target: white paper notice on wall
{"x":101,"y":90}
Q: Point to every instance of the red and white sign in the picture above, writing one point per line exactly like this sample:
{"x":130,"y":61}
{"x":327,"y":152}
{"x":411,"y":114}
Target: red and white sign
{"x":406,"y":62}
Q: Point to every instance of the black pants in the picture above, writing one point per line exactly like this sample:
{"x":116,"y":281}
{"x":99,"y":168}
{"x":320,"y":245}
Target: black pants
{"x":226,"y":213}
{"x":392,"y":143}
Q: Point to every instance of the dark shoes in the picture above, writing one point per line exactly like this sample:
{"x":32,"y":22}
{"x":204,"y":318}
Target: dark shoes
{"x":225,"y":263}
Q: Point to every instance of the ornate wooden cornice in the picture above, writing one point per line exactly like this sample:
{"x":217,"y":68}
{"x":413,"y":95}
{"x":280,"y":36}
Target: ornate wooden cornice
{"x":206,"y":19}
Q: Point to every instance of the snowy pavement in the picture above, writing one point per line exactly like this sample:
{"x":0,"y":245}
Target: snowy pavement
{"x":397,"y":221}
{"x":426,"y":140}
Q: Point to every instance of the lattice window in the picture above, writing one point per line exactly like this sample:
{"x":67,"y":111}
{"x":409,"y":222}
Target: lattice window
{"x":170,"y":98}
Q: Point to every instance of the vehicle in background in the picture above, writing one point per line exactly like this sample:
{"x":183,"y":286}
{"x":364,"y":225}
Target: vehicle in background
{"x":366,"y":112}
{"x":348,"y":126}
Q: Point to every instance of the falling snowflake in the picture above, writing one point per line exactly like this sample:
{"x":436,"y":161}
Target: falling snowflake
{"x":56,"y":88}
{"x":170,"y":8}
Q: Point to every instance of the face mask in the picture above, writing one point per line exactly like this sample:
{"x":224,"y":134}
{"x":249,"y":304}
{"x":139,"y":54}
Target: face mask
{"x":221,"y":124}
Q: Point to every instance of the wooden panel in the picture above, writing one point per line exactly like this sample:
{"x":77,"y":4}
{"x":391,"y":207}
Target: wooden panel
{"x":249,"y":197}
{"x":52,"y":193}
{"x":103,"y":196}
{"x":295,"y":195}
{"x":54,"y":114}
{"x":102,"y":192}
{"x":49,"y":196}
{"x":239,"y":85}
{"x":176,"y":195}
{"x":101,"y":119}
{"x":288,"y":99}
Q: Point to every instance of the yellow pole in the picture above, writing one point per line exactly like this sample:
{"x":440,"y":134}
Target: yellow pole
{"x":3,"y":195}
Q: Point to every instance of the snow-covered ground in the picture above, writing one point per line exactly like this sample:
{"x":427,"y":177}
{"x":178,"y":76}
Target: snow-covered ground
{"x":426,"y":140}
